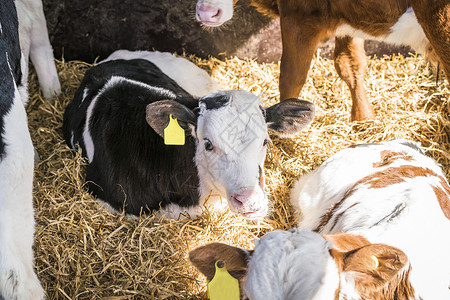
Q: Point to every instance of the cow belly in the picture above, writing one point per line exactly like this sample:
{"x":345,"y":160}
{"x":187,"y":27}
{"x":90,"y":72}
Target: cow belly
{"x":406,"y":31}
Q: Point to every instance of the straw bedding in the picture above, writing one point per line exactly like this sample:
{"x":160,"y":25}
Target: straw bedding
{"x":85,"y":252}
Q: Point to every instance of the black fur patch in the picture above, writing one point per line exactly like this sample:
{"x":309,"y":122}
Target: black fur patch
{"x":9,"y":58}
{"x":215,"y":102}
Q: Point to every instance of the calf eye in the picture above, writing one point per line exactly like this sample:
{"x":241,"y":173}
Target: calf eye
{"x":265,"y":142}
{"x":208,"y":145}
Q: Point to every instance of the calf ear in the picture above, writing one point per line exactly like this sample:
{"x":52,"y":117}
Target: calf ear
{"x":344,"y":242}
{"x":157,"y":115}
{"x":373,"y":266}
{"x":235,"y":259}
{"x":289,"y":117}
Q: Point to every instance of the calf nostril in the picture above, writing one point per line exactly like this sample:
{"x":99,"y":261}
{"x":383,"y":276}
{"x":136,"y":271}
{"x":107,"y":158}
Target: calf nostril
{"x":236,"y":201}
{"x":218,"y":13}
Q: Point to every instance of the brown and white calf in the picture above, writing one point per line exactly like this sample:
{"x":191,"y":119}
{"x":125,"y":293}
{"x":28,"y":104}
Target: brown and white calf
{"x":423,"y":25}
{"x":389,"y":193}
{"x":299,"y":264}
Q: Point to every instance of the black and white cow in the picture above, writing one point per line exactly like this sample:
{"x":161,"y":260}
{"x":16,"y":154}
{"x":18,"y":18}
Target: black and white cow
{"x":17,"y":277}
{"x":131,"y":168}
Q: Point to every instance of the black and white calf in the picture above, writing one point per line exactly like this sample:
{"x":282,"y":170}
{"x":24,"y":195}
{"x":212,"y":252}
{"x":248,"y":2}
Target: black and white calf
{"x":389,"y":193}
{"x":131,"y":168}
{"x":17,"y":277}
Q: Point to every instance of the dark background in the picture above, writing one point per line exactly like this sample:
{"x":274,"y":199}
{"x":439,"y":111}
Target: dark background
{"x":87,"y":29}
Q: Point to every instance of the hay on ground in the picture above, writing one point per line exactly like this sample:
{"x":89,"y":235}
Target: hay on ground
{"x":85,"y":252}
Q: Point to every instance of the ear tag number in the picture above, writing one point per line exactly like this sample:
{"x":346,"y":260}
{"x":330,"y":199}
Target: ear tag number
{"x":223,"y":286}
{"x":173,"y":133}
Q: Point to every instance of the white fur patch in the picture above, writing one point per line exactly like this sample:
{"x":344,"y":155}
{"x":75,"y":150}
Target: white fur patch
{"x":35,"y":43}
{"x":330,"y":281}
{"x":290,"y":265}
{"x":237,"y":132}
{"x":85,"y":93}
{"x":17,"y":277}
{"x":407,"y":31}
{"x":348,"y":289}
{"x":187,"y":75}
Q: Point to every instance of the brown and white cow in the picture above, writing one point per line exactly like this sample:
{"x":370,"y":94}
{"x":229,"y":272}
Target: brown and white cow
{"x":421,"y":24}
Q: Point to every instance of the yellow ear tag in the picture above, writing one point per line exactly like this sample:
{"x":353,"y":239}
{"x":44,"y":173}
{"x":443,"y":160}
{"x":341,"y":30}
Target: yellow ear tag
{"x":173,"y":133}
{"x":374,"y":258}
{"x":223,"y":286}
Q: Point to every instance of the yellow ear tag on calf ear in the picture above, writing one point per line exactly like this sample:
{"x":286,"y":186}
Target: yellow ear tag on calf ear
{"x":375,"y":260}
{"x":223,"y":286}
{"x":173,"y":133}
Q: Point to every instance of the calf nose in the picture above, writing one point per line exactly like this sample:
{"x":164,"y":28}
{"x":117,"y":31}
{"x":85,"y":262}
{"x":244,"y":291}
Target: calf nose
{"x":240,"y":199}
{"x":208,"y":13}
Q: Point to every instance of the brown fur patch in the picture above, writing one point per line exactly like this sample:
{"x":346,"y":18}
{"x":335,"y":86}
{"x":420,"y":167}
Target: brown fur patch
{"x":393,"y":175}
{"x":434,"y":17}
{"x":235,"y":259}
{"x":342,"y":243}
{"x":373,"y":17}
{"x":388,"y":157}
{"x":267,"y":7}
{"x":262,"y":182}
{"x":350,"y":63}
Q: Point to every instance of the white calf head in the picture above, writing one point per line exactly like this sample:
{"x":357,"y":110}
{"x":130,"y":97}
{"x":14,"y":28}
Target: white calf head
{"x":214,"y":12}
{"x":298,"y":264}
{"x":231,"y":137}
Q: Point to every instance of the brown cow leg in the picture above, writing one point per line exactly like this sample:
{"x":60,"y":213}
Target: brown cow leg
{"x":299,"y":44}
{"x":350,"y":63}
{"x":434,"y":17}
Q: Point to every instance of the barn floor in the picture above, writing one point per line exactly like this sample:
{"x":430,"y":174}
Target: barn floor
{"x":84,"y":252}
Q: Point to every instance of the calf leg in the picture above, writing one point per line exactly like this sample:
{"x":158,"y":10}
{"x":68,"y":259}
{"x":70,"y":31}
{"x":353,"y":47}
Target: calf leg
{"x":299,"y":44}
{"x":35,"y":42}
{"x":350,"y":63}
{"x":434,"y":17}
{"x":17,"y":277}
